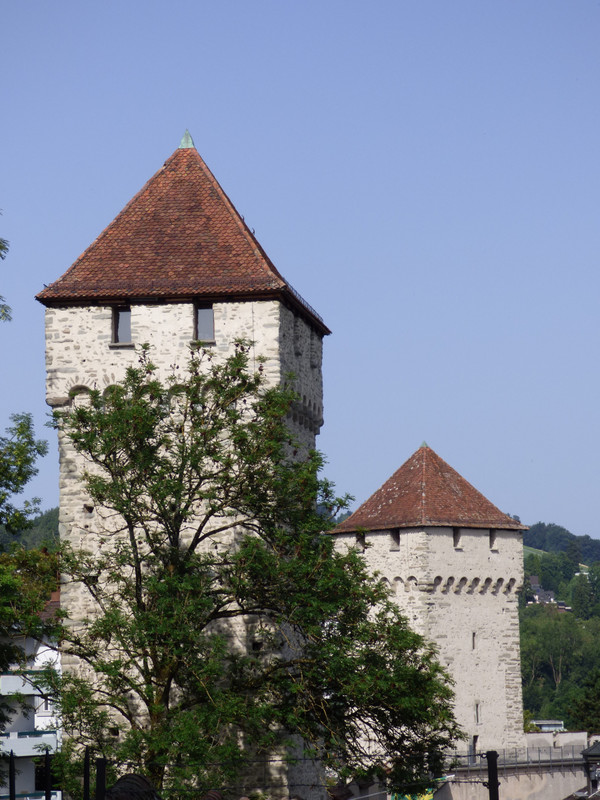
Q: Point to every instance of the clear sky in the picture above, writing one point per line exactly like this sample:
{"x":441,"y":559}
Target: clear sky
{"x":425,"y":173}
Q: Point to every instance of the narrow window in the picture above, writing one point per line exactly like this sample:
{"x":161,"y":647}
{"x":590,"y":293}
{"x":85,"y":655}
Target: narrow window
{"x":297,"y":336}
{"x":473,"y":640}
{"x":204,"y":324}
{"x":456,"y":537}
{"x":395,"y":540}
{"x":361,"y":541}
{"x":493,"y":539}
{"x":122,"y":325}
{"x":477,"y":713}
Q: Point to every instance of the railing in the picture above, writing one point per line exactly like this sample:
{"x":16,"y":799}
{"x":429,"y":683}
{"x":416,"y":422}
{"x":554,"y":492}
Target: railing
{"x":519,"y":758}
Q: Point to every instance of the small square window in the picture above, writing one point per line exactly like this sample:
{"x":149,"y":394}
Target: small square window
{"x":204,"y":324}
{"x":122,"y":325}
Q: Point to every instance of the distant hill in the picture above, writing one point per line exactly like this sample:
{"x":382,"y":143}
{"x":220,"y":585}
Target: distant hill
{"x":43,"y":531}
{"x":556,"y":539}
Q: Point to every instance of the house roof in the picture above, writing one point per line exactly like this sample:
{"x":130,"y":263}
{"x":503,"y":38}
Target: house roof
{"x":426,"y":491}
{"x":52,"y":606}
{"x":179,"y":238}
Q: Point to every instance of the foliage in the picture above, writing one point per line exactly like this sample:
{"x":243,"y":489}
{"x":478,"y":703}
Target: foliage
{"x":4,"y":309}
{"x":27,"y":579}
{"x":586,"y":712}
{"x":223,"y":619}
{"x":556,"y":539}
{"x":558,"y":653}
{"x":41,"y":531}
{"x":19,"y":450}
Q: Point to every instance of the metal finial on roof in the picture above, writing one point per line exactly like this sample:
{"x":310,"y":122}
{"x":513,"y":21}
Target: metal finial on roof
{"x":424,"y":444}
{"x":186,"y":141}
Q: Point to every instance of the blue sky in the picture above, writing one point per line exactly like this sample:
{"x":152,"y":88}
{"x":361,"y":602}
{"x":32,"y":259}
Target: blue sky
{"x":425,"y":173}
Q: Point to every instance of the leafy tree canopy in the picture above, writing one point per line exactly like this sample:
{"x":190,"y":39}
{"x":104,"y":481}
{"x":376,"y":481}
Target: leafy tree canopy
{"x":556,"y":539}
{"x":19,"y":450}
{"x":223,"y":620}
{"x":41,"y":531}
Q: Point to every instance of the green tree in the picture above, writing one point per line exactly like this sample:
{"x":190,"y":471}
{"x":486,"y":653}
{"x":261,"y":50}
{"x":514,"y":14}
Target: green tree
{"x":586,"y":712}
{"x":224,"y":620}
{"x":4,"y":309}
{"x":21,"y":595}
{"x":581,"y":596}
{"x":27,"y":579}
{"x":19,"y":451}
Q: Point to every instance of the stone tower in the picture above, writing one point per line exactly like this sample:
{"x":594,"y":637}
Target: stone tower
{"x":454,"y":564}
{"x":177,"y":265}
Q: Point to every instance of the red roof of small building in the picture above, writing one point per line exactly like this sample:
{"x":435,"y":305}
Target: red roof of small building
{"x":426,"y":491}
{"x":179,"y":238}
{"x":52,"y":606}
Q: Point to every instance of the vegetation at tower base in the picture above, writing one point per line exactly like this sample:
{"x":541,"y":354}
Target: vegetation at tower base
{"x":224,"y":621}
{"x":24,"y":586}
{"x":27,"y":578}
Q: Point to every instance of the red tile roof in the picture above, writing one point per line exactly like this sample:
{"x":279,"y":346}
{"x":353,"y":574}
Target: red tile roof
{"x":52,"y":606}
{"x":426,"y":491}
{"x":179,"y":238}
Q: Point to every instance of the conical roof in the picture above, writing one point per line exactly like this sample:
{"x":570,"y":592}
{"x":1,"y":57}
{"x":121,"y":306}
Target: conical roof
{"x":179,"y":238}
{"x":426,"y":491}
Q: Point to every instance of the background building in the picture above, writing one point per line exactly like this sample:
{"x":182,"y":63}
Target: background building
{"x":454,"y":564}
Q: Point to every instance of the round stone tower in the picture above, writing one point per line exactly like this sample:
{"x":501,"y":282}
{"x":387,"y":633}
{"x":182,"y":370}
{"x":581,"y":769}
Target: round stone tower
{"x":454,"y":564}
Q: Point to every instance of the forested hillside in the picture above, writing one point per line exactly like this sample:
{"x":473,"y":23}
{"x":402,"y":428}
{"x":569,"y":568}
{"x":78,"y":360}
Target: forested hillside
{"x":556,"y":539}
{"x":42,"y":532}
{"x":560,"y":650}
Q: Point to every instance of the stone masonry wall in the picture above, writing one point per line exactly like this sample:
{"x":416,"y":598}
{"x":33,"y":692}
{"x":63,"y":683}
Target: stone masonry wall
{"x":80,"y":356}
{"x":458,"y":588}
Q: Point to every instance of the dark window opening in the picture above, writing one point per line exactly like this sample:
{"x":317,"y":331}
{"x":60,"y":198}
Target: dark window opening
{"x":122,"y":325}
{"x":456,"y":537}
{"x":204,"y":324}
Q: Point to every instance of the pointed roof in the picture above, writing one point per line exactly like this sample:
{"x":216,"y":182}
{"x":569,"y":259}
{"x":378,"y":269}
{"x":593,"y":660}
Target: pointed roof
{"x":426,"y":491}
{"x":179,"y":238}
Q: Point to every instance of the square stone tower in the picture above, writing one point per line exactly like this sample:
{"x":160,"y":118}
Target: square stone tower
{"x":454,"y":564}
{"x":177,"y":265}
